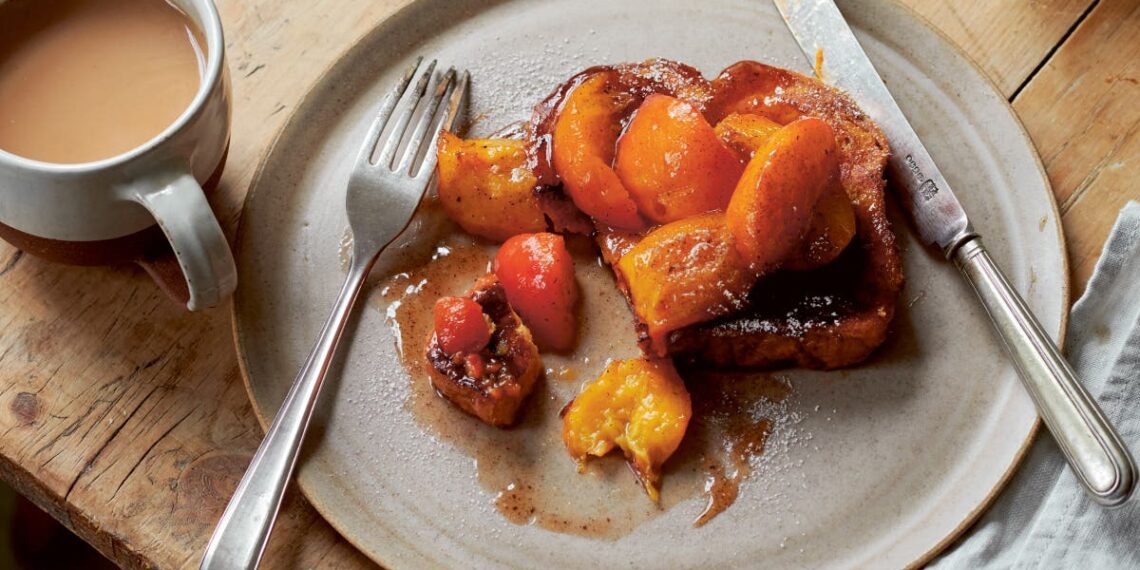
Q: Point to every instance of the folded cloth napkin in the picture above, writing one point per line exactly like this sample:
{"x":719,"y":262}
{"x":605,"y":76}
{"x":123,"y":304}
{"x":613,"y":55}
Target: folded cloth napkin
{"x":1044,"y":519}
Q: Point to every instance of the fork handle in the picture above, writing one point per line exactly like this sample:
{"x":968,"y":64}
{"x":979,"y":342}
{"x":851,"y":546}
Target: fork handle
{"x":240,"y":537}
{"x":1092,"y":447}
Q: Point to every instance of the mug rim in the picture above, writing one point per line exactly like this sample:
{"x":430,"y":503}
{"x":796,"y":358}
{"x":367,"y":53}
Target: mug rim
{"x":215,"y":44}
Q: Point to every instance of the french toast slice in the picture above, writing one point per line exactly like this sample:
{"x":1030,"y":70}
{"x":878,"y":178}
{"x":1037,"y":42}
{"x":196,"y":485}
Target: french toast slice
{"x":833,"y":316}
{"x":492,"y":383}
{"x":830,"y":317}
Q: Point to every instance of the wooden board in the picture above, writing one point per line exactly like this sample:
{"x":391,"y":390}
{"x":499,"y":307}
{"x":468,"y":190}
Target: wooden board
{"x":1007,"y":39}
{"x":125,"y":418}
{"x":1081,"y":111}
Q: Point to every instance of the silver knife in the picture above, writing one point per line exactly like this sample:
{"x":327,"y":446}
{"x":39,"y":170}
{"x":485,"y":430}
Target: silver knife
{"x":1090,"y":443}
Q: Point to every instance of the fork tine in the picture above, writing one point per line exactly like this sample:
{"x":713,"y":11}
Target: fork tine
{"x":455,"y":104}
{"x":458,"y":101}
{"x":427,"y":119}
{"x":403,"y":116}
{"x":385,"y":111}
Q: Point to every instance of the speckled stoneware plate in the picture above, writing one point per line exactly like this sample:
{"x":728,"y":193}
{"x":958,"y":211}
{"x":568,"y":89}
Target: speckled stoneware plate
{"x":878,"y":466}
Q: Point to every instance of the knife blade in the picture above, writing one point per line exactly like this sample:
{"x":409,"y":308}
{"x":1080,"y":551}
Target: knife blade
{"x":1091,"y":445}
{"x":938,"y":216}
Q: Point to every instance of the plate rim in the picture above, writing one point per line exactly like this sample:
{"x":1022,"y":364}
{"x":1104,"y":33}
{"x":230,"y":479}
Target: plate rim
{"x":1066,"y":295}
{"x":319,"y":82}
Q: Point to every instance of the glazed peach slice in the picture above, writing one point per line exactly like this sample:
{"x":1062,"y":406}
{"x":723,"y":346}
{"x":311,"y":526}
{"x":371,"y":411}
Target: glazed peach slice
{"x":640,"y":406}
{"x":745,"y":133}
{"x":582,"y":150}
{"x":773,"y":204}
{"x":537,"y":272}
{"x":832,"y":223}
{"x":685,"y":272}
{"x":831,"y":229}
{"x":672,"y":162}
{"x":460,"y":325}
{"x":486,"y":188}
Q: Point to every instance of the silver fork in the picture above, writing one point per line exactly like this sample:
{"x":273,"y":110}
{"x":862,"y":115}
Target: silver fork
{"x":381,"y":200}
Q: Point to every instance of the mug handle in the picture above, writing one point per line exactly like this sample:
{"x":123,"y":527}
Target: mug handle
{"x":180,"y":207}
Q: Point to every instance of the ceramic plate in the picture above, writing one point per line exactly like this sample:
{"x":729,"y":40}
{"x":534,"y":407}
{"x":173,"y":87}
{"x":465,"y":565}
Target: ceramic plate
{"x":880,"y":465}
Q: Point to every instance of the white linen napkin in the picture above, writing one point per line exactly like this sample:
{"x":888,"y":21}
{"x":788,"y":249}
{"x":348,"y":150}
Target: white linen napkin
{"x":1044,"y":519}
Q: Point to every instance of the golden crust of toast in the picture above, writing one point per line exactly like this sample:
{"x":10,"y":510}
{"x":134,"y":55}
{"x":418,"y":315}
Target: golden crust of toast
{"x":830,"y":317}
{"x":509,"y":366}
{"x":834,"y":316}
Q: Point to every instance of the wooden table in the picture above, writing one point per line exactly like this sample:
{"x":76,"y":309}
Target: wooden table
{"x":125,"y":417}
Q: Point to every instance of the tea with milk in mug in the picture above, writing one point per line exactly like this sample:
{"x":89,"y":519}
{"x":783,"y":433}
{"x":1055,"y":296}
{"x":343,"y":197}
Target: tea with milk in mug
{"x":85,"y":80}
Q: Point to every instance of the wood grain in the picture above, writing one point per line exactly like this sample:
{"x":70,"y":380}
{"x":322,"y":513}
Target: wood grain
{"x":1081,"y":111}
{"x":125,"y":418}
{"x":1007,"y":39}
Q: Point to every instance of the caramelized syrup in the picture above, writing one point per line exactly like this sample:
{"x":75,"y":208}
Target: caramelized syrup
{"x":735,"y":415}
{"x":731,"y":425}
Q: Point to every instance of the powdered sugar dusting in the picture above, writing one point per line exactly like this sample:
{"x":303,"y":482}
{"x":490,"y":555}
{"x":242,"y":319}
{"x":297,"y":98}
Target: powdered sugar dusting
{"x":743,"y":428}
{"x":513,"y":82}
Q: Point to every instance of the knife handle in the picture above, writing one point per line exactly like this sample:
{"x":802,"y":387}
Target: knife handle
{"x":1090,"y":444}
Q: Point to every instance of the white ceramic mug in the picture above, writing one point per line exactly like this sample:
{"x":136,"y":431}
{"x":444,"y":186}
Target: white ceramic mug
{"x":106,"y":211}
